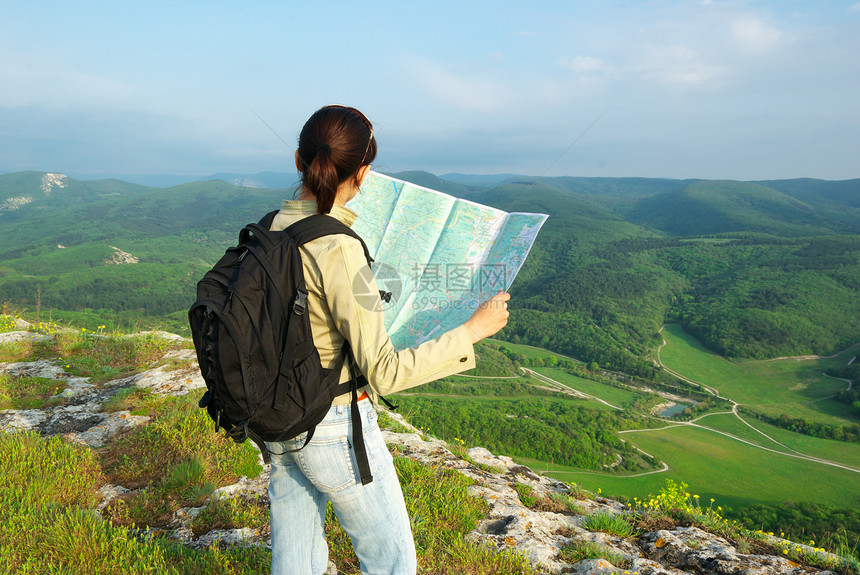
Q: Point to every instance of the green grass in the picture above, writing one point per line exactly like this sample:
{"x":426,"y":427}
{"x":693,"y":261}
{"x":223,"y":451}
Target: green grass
{"x":7,"y":323}
{"x":29,"y":392}
{"x":524,"y":492}
{"x":13,"y":351}
{"x":528,"y":351}
{"x":686,"y":355}
{"x":47,"y":492}
{"x":797,"y":388}
{"x":178,"y":458}
{"x":839,"y":451}
{"x":582,"y":550}
{"x":48,"y":488}
{"x":102,"y":357}
{"x":732,"y":473}
{"x":232,"y":513}
{"x":442,"y":513}
{"x":611,"y":394}
{"x":609,"y":523}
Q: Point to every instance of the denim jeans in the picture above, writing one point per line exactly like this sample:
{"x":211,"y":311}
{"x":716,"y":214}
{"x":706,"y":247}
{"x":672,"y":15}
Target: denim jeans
{"x":374,"y":515}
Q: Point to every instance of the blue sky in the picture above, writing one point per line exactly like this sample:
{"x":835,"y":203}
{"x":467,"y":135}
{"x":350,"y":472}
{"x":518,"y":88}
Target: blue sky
{"x":682,"y":89}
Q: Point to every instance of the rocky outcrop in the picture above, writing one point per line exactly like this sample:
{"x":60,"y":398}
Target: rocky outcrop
{"x":539,"y":531}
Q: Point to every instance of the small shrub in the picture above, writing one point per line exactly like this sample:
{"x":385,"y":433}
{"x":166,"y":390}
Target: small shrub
{"x":582,"y":550}
{"x":525,"y":493}
{"x":12,"y":351}
{"x":8,"y":323}
{"x":232,"y":513}
{"x":566,"y":501}
{"x":389,"y":423}
{"x":136,"y":400}
{"x":608,"y":523}
{"x":579,"y":492}
{"x":102,"y":358}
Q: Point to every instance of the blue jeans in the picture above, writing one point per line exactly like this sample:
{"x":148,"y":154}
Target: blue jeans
{"x":373,"y":515}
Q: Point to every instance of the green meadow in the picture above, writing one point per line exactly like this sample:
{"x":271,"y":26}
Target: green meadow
{"x":732,"y":473}
{"x":529,"y":351}
{"x":614,"y":395}
{"x":832,"y":450}
{"x":795,"y":387}
{"x":684,"y":354}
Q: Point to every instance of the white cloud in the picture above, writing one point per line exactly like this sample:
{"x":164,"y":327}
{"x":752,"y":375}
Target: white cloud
{"x":676,"y":65}
{"x":854,"y":7}
{"x":755,"y":34}
{"x":584,"y":64}
{"x":467,"y":90}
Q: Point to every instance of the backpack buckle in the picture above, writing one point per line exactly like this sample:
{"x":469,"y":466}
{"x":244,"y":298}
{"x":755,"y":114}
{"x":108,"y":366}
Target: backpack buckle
{"x":300,"y":304}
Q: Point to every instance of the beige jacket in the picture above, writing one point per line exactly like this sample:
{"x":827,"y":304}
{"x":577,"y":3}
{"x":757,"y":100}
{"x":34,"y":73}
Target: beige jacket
{"x":332,"y":266}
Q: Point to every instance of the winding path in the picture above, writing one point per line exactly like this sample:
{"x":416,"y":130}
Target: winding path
{"x":694,"y":423}
{"x":558,"y":386}
{"x":735,"y":405}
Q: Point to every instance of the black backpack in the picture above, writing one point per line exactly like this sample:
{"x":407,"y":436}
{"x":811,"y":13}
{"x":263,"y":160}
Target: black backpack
{"x":254,"y":343}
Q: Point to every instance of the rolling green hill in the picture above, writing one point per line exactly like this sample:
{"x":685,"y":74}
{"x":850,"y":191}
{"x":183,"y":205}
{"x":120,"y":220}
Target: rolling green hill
{"x":775,"y":277}
{"x":716,"y":207}
{"x":761,"y":270}
{"x":63,"y":238}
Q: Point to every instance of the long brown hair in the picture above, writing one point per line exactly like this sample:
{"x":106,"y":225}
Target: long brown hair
{"x":334,"y":143}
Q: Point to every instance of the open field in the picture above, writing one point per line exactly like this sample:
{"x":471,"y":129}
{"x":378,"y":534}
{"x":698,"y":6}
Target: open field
{"x":685,"y":355}
{"x":732,"y":473}
{"x":839,"y":451}
{"x":795,"y":387}
{"x":614,"y":395}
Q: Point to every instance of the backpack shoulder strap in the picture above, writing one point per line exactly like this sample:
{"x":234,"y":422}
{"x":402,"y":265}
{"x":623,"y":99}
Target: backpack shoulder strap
{"x":267,"y":220}
{"x":319,"y":225}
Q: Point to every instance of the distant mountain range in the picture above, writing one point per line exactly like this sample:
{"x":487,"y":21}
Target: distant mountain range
{"x":753,"y":268}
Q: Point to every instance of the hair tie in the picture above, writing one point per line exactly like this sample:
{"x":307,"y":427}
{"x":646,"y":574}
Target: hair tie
{"x":322,"y":147}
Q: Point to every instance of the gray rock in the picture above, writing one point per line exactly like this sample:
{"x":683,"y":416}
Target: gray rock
{"x":224,"y":538}
{"x":15,"y":336}
{"x":165,"y":381}
{"x":38,"y":368}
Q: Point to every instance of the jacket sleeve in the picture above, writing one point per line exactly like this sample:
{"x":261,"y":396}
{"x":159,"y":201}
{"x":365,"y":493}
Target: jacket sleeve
{"x":351,"y":293}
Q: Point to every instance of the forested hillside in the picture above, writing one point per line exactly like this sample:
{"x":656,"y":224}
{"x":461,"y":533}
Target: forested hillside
{"x":752,"y":269}
{"x":64,"y":241}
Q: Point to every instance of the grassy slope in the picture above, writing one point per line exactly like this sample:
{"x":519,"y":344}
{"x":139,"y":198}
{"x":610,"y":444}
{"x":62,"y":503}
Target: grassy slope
{"x":730,"y":472}
{"x":48,"y":487}
{"x":838,"y":451}
{"x":797,"y":388}
{"x":713,"y":207}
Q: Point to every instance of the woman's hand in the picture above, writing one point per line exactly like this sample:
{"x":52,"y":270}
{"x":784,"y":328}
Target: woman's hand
{"x":490,"y":317}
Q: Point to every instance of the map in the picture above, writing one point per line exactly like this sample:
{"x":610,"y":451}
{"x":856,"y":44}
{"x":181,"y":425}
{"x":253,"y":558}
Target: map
{"x":437,"y":255}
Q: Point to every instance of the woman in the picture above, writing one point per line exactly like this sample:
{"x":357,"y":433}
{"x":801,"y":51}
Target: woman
{"x":336,"y":148}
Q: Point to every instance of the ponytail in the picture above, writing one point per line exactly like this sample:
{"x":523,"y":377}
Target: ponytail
{"x":334,"y":144}
{"x":320,"y":177}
